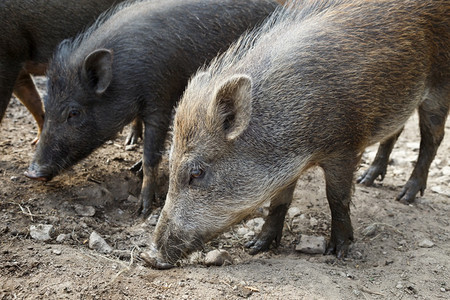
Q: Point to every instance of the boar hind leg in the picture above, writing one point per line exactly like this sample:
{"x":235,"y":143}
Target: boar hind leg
{"x":154,"y":137}
{"x":379,"y":165}
{"x":273,"y":227}
{"x":135,"y":132}
{"x":339,"y":182}
{"x":8,"y":76}
{"x":26,"y":92}
{"x":432,"y":116}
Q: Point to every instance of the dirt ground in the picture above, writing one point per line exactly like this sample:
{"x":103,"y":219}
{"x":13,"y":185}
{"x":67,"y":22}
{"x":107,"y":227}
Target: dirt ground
{"x":405,"y":256}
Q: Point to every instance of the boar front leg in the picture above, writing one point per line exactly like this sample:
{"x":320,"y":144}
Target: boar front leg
{"x":272,"y":229}
{"x":154,"y":137}
{"x":339,"y":182}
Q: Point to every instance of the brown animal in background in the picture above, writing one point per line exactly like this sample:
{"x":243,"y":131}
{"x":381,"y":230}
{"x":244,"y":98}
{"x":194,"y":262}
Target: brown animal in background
{"x":314,"y":86}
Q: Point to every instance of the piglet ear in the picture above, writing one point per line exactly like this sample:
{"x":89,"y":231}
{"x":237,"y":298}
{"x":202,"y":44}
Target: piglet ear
{"x":232,"y":105}
{"x":97,"y":70}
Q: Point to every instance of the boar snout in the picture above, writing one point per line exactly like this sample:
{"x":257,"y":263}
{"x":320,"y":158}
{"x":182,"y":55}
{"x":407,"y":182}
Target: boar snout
{"x":37,"y":172}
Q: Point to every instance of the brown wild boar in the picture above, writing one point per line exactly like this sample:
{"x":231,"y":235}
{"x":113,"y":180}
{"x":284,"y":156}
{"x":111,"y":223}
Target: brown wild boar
{"x":314,"y":86}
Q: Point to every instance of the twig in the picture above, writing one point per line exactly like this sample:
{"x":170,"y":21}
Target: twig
{"x":371,"y":292}
{"x":251,"y":288}
{"x":29,"y":212}
{"x":387,"y":225}
{"x":25,"y":212}
{"x":226,"y":283}
{"x":94,"y":180}
{"x":95,"y":255}
{"x":127,"y":268}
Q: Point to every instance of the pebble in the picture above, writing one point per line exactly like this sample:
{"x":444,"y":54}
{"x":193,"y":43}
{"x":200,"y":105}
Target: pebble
{"x":440,"y":189}
{"x":131,"y":147}
{"x":242,"y":231}
{"x":132,"y":198}
{"x":399,"y":285}
{"x":249,"y":235}
{"x":313,"y":222}
{"x":41,"y":232}
{"x":84,"y":211}
{"x":446,"y":170}
{"x":56,"y":251}
{"x":402,"y":242}
{"x":96,"y":242}
{"x":97,"y":195}
{"x":255,"y":224}
{"x":62,"y":237}
{"x":218,"y":258}
{"x":370,"y":230}
{"x":14,"y":178}
{"x":152,"y":220}
{"x":413,"y":145}
{"x":293,"y":212}
{"x":426,"y":243}
{"x":311,"y":244}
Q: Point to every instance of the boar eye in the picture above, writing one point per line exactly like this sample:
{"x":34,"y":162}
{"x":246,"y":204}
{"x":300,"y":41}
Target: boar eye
{"x":195,"y":174}
{"x":73,"y":113}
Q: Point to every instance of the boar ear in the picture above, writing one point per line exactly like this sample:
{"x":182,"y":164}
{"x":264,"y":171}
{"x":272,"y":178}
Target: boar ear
{"x":97,"y":70}
{"x":232,"y":104}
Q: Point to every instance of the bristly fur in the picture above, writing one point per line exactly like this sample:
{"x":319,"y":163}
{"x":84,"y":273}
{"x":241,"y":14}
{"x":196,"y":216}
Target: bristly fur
{"x":328,"y":78}
{"x":71,"y":44}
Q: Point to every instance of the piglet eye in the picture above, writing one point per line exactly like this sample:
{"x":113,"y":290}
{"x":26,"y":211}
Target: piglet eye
{"x":73,"y":113}
{"x":196,"y":174}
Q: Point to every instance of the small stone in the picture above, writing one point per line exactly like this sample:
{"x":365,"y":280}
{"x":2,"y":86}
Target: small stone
{"x":440,"y":189}
{"x":358,"y":255}
{"x":41,"y":232}
{"x":311,"y":244}
{"x":249,"y":235}
{"x":152,"y":220}
{"x":255,"y":224}
{"x":413,"y":145}
{"x":196,"y":257}
{"x":370,"y":230}
{"x":14,"y":178}
{"x":446,"y":170}
{"x":313,"y":222}
{"x":443,"y":289}
{"x":242,"y":231}
{"x":399,"y":285}
{"x":402,"y":242}
{"x":84,"y":211}
{"x":132,"y":198}
{"x":293,"y":212}
{"x":62,"y":237}
{"x":131,"y":147}
{"x":426,"y":244}
{"x":96,"y":242}
{"x":56,"y":251}
{"x":218,"y":258}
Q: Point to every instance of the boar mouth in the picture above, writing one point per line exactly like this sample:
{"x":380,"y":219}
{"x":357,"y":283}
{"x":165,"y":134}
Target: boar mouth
{"x":171,"y":248}
{"x":38,"y":173}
